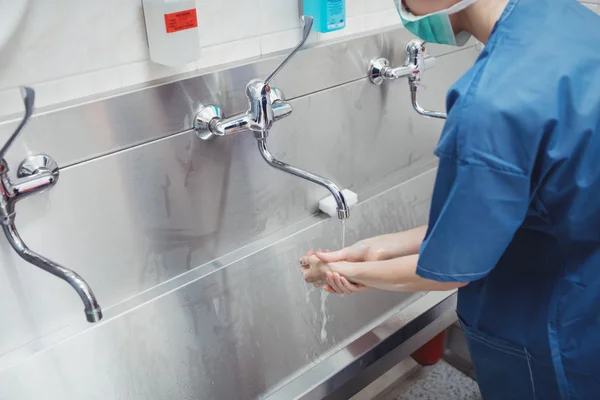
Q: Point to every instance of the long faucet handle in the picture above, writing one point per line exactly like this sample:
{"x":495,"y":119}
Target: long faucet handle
{"x":29,"y":101}
{"x":307,"y":24}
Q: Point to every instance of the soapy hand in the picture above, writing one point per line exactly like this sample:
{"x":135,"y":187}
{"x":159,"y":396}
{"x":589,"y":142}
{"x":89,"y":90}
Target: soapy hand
{"x":338,"y":265}
{"x":336,"y":282}
{"x":358,"y":252}
{"x":316,"y":268}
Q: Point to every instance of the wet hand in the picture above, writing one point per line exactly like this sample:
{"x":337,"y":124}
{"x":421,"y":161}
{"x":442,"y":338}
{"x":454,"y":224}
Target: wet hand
{"x":337,"y":284}
{"x":318,"y":272}
{"x":358,"y":252}
{"x":314,"y":270}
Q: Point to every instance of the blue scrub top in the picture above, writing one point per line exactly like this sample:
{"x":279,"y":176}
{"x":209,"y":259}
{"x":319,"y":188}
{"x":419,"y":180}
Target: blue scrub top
{"x":516,"y":204}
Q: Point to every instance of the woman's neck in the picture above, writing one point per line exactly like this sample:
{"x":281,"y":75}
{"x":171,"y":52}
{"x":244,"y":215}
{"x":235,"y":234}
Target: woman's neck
{"x":480,"y":18}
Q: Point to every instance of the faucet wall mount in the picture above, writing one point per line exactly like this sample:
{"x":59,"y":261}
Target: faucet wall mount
{"x":417,"y":61}
{"x":35,"y":174}
{"x":266,"y":105}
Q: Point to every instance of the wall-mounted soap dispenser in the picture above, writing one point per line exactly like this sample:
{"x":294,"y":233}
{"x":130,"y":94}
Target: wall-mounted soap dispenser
{"x":172,"y":28}
{"x":329,"y":15}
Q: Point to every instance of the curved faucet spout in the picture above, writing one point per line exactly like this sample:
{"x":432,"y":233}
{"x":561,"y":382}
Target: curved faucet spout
{"x":93,"y":312}
{"x":342,"y":207}
{"x":421,"y":110}
{"x":36,"y":174}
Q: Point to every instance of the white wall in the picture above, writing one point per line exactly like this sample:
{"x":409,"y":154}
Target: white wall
{"x":593,"y":5}
{"x":68,"y":49}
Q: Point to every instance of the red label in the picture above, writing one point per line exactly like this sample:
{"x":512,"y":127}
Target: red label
{"x":181,"y":20}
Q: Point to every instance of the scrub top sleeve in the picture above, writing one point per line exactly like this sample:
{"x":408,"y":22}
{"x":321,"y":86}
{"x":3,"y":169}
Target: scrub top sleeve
{"x":475,"y":215}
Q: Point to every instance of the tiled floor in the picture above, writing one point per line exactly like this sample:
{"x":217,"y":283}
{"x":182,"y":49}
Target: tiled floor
{"x":438,"y":382}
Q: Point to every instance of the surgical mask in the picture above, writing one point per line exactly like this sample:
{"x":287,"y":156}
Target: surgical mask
{"x":435,"y":27}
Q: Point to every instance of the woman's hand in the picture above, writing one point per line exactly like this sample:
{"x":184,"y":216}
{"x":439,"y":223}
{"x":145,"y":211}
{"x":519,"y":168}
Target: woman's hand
{"x":337,"y":284}
{"x":316,"y":269}
{"x":358,"y":252}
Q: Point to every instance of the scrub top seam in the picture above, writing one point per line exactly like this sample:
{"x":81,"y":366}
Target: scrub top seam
{"x":507,"y":11}
{"x":477,"y":339}
{"x":531,"y":374}
{"x":493,"y":169}
{"x":480,"y":165}
{"x":470,"y":95}
{"x":521,"y":351}
{"x":554,"y":341}
{"x":474,"y":85}
{"x":444,"y":274}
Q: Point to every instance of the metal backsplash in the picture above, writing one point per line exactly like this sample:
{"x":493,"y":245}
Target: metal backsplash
{"x":142,"y":201}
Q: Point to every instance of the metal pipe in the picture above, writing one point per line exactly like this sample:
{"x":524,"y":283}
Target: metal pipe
{"x":32,"y":184}
{"x":253,"y":119}
{"x":93,"y":312}
{"x":421,"y":110}
{"x":342,"y":207}
{"x":229,"y":126}
{"x":396,"y":73}
{"x":36,"y":173}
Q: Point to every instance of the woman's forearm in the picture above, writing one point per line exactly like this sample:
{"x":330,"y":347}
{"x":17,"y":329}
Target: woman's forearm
{"x":394,"y":245}
{"x":398,"y":274}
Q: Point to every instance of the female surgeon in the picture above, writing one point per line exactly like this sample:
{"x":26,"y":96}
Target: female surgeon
{"x":515,"y":214}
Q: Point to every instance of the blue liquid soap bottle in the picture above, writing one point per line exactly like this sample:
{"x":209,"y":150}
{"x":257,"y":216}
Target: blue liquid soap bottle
{"x":329,"y":15}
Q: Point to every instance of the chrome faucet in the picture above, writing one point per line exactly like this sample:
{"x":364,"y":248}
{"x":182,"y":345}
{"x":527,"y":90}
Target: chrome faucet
{"x":266,"y":105}
{"x":416,"y":62}
{"x":35,"y":174}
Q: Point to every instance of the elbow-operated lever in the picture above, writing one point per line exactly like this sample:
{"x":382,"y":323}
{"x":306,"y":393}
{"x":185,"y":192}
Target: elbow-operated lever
{"x":416,"y":62}
{"x":266,"y":105}
{"x":35,"y":174}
